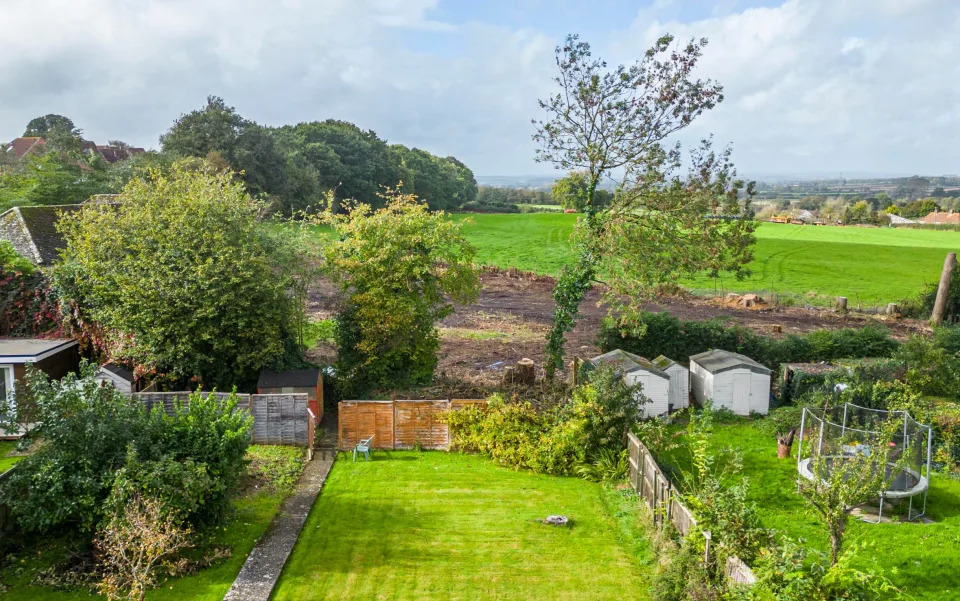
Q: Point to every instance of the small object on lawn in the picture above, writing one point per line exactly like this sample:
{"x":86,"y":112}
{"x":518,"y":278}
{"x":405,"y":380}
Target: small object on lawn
{"x":784,"y":442}
{"x":363,"y":447}
{"x":556,"y":520}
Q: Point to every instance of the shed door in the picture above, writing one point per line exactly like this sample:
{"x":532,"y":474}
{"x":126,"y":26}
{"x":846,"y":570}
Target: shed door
{"x":741,"y":393}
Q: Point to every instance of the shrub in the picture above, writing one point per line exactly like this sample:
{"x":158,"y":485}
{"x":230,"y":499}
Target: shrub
{"x":662,"y":333}
{"x":559,"y":440}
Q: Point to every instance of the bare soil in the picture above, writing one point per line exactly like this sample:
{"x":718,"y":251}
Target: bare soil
{"x":511,"y":317}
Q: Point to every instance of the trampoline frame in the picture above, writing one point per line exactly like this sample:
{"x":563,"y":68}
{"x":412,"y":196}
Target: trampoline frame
{"x":923,"y":480}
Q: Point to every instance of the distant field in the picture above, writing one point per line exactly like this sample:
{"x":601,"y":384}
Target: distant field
{"x":872,"y":265}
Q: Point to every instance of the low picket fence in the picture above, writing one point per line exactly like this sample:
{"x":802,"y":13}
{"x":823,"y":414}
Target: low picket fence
{"x":660,"y":496}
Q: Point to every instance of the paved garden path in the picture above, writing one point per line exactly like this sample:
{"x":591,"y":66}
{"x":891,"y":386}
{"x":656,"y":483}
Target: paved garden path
{"x":260,"y":572}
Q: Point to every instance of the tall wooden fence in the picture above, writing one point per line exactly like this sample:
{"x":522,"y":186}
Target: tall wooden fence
{"x":399,"y":424}
{"x":282,"y":419}
{"x":661,"y":497}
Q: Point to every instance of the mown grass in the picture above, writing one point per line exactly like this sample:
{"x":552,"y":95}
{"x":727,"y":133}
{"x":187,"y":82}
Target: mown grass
{"x":919,"y":558}
{"x":7,"y":462}
{"x":870,"y":265}
{"x":423,"y":526}
{"x":253,"y":512}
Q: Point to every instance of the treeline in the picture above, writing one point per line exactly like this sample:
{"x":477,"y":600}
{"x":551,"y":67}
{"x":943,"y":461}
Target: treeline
{"x":497,"y":199}
{"x":293,"y":167}
{"x":875,"y":210}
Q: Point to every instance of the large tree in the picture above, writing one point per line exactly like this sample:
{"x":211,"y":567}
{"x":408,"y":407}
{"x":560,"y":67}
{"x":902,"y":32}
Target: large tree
{"x":51,"y":124}
{"x":181,"y":278}
{"x":662,"y":223}
{"x":401,"y":267}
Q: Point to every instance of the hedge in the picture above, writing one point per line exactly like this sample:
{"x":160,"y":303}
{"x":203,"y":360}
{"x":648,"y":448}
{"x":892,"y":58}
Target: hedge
{"x":677,"y":339}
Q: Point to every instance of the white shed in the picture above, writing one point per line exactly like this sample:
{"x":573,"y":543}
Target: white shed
{"x":635,"y":369}
{"x":679,"y":394}
{"x":119,"y":377}
{"x":731,"y":380}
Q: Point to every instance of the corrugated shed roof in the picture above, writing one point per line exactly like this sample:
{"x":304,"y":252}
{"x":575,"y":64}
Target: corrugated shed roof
{"x":118,"y":370}
{"x":718,"y":360}
{"x":296,"y":378}
{"x":23,"y":347}
{"x":627,"y":362}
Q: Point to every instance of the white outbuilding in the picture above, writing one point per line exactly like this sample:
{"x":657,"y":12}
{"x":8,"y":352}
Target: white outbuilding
{"x":731,"y":380}
{"x":679,"y":392}
{"x":636,"y":370}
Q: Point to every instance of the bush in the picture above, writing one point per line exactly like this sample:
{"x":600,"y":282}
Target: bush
{"x":664,"y":334}
{"x":98,"y":442}
{"x":558,"y":440}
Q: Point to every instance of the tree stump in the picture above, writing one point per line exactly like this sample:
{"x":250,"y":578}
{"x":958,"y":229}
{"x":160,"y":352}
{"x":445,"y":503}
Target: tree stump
{"x":842,"y":304}
{"x":524,"y":372}
{"x":784,"y":443}
{"x":893,"y":309}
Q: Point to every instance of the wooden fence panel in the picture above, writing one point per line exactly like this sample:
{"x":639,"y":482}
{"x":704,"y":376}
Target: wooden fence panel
{"x":280,"y":418}
{"x":420,"y":423}
{"x":363,"y":419}
{"x":739,"y":572}
{"x":401,"y":424}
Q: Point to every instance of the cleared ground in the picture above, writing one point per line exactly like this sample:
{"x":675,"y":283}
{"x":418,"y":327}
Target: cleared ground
{"x":872,"y":265}
{"x":424,"y":526}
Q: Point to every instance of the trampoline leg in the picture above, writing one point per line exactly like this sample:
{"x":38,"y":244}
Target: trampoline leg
{"x":910,"y":510}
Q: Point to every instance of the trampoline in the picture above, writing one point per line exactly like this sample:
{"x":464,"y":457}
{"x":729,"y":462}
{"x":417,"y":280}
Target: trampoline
{"x":844,"y":432}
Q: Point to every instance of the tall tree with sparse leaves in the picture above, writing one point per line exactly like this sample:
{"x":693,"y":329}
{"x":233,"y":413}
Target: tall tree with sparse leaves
{"x":662,"y":222}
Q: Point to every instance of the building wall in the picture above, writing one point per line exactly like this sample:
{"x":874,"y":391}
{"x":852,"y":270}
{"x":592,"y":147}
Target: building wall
{"x":701,"y":383}
{"x":760,"y":394}
{"x":679,"y":394}
{"x":116,"y":381}
{"x":657,"y":391}
{"x":742,"y":391}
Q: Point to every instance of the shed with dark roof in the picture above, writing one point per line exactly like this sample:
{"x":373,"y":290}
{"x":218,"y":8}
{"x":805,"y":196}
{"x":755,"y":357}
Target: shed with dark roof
{"x":731,"y":380}
{"x":309,"y":381}
{"x":54,"y":357}
{"x":117,"y":376}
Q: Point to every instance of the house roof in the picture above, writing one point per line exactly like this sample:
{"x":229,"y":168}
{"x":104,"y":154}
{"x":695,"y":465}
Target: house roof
{"x":941,"y":217}
{"x":23,"y":350}
{"x":296,"y":378}
{"x":627,"y":363}
{"x":119,"y":371}
{"x":21,"y":146}
{"x":718,"y":360}
{"x":112,"y":154}
{"x":33,"y":231}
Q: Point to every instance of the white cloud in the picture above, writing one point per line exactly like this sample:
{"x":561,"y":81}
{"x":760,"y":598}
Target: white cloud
{"x":809,"y":84}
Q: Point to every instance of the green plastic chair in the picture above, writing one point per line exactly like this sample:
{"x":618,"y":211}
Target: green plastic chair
{"x":362,"y":447}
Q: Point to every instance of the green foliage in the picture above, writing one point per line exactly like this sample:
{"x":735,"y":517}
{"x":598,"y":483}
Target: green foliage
{"x":182,"y":277}
{"x":922,"y":305}
{"x":610,"y":467}
{"x":54,"y":177}
{"x":572,"y":191}
{"x":662,"y":333}
{"x":279,"y":467}
{"x":50,"y":124}
{"x":931,"y":369}
{"x":681,"y":576}
{"x":86,"y":429}
{"x":401,"y":268}
{"x":100,"y":448}
{"x":584,"y":435}
{"x":30,"y":305}
{"x":604,"y":120}
{"x":443,"y":183}
{"x":794,"y":572}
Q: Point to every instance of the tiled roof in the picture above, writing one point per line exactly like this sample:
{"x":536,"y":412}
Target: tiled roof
{"x":21,"y":146}
{"x":33,"y":231}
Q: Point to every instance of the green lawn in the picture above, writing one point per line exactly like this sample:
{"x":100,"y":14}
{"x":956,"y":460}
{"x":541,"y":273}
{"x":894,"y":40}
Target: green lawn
{"x":7,"y":462}
{"x":922,"y":559}
{"x":422,"y":526}
{"x":253,"y":513}
{"x":874,"y":265}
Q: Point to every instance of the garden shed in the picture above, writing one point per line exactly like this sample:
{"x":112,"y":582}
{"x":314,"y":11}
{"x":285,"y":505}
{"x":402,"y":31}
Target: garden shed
{"x":55,"y":357}
{"x":731,"y":380}
{"x":679,"y":391}
{"x":121,"y":378}
{"x":636,"y":370}
{"x":309,"y":381}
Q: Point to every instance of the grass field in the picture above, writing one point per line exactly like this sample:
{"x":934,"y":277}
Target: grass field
{"x":253,"y":512}
{"x":872,"y":265}
{"x":7,"y":462}
{"x":921,"y":559}
{"x":431,"y":526}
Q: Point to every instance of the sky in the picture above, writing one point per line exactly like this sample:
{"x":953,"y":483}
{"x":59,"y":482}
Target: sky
{"x":810,"y":86}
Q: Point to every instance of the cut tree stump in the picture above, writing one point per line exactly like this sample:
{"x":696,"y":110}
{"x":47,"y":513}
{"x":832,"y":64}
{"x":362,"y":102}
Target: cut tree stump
{"x":784,"y":443}
{"x":943,"y":290}
{"x":842,"y":304}
{"x":525,"y":373}
{"x":893,"y":309}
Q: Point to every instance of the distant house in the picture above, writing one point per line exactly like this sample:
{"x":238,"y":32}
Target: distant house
{"x":23,"y":146}
{"x":898,"y":220}
{"x":56,"y":358}
{"x":113,"y":154}
{"x":33,"y":231}
{"x":634,"y":369}
{"x":941,"y":218}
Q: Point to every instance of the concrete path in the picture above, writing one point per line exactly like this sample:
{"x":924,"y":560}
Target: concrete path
{"x":260,"y":572}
